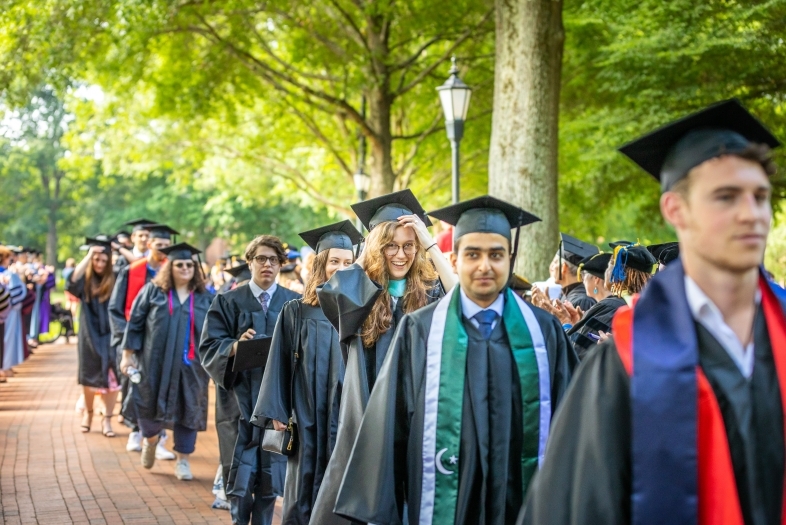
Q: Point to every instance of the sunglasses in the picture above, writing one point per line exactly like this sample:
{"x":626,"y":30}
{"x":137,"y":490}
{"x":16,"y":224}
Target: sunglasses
{"x":181,"y":265}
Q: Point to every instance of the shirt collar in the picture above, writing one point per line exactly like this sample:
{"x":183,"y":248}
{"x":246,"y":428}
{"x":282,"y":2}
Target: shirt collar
{"x":701,"y":305}
{"x":470,"y":307}
{"x":256,"y":290}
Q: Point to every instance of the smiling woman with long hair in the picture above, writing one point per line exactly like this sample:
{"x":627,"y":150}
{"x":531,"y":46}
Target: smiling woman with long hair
{"x":92,"y":282}
{"x":160,"y":342}
{"x":303,"y":373}
{"x":365,"y":302}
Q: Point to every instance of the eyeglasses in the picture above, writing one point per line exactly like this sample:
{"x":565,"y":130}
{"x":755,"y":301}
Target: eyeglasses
{"x":262,"y":260}
{"x":393,"y":248}
{"x":181,"y":265}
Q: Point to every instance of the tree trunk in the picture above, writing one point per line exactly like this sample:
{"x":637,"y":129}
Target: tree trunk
{"x":525,"y":123}
{"x":381,"y":173}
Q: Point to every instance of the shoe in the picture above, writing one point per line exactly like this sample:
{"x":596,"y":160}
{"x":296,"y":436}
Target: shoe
{"x":220,"y":504}
{"x":87,"y":420}
{"x":107,"y":428}
{"x":161,"y":452}
{"x":134,"y":442}
{"x":148,"y":454}
{"x":183,"y":470}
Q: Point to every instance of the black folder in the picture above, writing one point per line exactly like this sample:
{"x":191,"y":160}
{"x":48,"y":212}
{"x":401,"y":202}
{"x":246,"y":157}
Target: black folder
{"x":251,"y":354}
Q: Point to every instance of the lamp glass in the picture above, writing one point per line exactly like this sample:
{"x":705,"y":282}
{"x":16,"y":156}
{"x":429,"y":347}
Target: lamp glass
{"x":362,"y":181}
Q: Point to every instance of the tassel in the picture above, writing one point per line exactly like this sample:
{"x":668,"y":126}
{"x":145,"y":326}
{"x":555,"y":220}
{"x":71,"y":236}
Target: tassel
{"x":620,"y":258}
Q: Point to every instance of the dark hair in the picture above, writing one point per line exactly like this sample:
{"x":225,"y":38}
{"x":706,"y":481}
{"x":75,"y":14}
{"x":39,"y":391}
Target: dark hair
{"x":758,"y":153}
{"x":166,"y":281}
{"x":457,"y":242}
{"x":270,"y":241}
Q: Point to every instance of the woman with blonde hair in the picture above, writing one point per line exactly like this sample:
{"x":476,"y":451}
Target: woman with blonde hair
{"x":91,"y":282}
{"x":168,"y":384}
{"x":400,"y":270}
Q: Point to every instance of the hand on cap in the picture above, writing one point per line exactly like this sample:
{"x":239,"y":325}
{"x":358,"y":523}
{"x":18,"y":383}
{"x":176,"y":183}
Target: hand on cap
{"x":421,"y":230}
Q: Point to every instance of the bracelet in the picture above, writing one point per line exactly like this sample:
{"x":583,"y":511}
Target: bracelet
{"x":430,"y":247}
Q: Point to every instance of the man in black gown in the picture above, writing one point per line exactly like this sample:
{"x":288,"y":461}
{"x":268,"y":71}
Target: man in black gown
{"x":564,"y":270}
{"x":249,"y":310}
{"x":679,"y":418}
{"x":470,"y":383}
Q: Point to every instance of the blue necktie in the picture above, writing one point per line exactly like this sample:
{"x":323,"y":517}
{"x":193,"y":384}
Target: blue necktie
{"x":485,"y":319}
{"x":263,"y":300}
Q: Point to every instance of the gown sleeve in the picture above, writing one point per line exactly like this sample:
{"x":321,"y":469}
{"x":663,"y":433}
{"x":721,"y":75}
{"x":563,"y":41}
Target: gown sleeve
{"x":373,"y":489}
{"x":586,"y":475}
{"x":218,"y":337}
{"x":347,"y":300}
{"x":117,"y":306}
{"x":76,"y":288}
{"x":134,"y":335}
{"x":274,"y":393}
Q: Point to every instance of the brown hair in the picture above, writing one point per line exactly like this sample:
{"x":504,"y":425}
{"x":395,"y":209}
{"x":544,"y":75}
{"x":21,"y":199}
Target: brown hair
{"x":270,"y":241}
{"x":99,"y":284}
{"x":166,"y":281}
{"x":758,"y":153}
{"x":317,"y":277}
{"x":634,"y":282}
{"x":420,"y":278}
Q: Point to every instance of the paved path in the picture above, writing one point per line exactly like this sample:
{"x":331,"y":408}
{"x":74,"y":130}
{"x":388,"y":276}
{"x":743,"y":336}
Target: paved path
{"x":51,"y":473}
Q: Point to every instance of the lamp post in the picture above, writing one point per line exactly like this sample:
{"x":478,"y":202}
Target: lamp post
{"x":454,"y":95}
{"x":361,"y":180}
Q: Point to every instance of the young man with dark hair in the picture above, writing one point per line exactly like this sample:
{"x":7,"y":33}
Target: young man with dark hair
{"x":457,"y":422}
{"x":679,"y":417}
{"x":129,"y":282}
{"x":251,"y":310}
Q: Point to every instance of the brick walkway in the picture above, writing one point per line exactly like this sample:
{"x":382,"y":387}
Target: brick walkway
{"x":50,"y":472}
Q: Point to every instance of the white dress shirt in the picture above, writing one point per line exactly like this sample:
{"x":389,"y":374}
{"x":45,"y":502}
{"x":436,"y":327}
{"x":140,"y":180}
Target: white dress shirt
{"x":257,"y":291}
{"x":710,"y":317}
{"x":470,"y":308}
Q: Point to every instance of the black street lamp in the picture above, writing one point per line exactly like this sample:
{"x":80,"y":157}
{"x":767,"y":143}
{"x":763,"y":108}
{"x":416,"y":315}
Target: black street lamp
{"x":361,"y":180}
{"x":454,"y":95}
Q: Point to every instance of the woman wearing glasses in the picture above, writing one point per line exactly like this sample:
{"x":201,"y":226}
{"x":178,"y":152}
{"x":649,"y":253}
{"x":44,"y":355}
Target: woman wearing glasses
{"x":392,"y":277}
{"x":168,"y":384}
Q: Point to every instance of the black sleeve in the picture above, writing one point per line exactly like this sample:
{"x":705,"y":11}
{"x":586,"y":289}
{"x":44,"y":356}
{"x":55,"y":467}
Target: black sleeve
{"x":274,"y":400}
{"x":586,"y":475}
{"x":76,"y":288}
{"x":134,"y":335}
{"x":218,"y":336}
{"x":117,"y":306}
{"x":347,"y":300}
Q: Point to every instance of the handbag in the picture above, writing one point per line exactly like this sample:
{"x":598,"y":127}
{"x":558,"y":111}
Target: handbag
{"x":285,"y":442}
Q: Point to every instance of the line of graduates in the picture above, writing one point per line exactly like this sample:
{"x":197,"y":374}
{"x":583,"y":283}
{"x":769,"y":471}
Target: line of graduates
{"x":422,"y":389}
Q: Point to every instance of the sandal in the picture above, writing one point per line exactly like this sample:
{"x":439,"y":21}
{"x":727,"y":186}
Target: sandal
{"x":107,"y":427}
{"x":87,"y":415}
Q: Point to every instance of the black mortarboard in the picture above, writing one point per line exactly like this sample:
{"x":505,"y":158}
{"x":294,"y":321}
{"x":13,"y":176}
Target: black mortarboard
{"x":139,"y":224}
{"x":288,"y":268}
{"x":596,"y":264}
{"x":573,"y":250}
{"x":629,"y":255}
{"x":99,"y":240}
{"x":180,"y":251}
{"x":251,"y":353}
{"x":484,"y":215}
{"x":241,"y":272}
{"x":342,"y":235}
{"x":665,"y":253}
{"x":519,"y":283}
{"x":121,"y":232}
{"x":389,"y":208}
{"x":670,"y":152}
{"x":161,"y":231}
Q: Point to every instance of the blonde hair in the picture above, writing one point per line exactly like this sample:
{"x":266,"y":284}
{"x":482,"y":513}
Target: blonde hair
{"x":420,"y":278}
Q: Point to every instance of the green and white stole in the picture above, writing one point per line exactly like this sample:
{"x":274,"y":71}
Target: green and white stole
{"x":446,"y":361}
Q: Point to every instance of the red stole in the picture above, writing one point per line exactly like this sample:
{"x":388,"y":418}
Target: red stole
{"x":719,"y":502}
{"x":137,"y":278}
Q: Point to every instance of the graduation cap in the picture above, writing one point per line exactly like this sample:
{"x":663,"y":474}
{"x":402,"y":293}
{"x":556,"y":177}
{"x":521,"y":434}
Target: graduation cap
{"x":161,"y":231}
{"x":342,"y":235}
{"x":629,"y":255}
{"x":389,"y":208}
{"x":574,"y":250}
{"x":139,"y":224}
{"x":288,"y":268}
{"x":665,"y":253}
{"x":241,"y":272}
{"x":121,"y":233}
{"x":670,"y":152}
{"x":99,"y":240}
{"x":596,"y":264}
{"x":180,"y":251}
{"x":518,"y":283}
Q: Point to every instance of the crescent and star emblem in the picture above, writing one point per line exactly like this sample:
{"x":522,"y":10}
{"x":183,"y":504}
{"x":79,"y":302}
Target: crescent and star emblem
{"x":440,"y":467}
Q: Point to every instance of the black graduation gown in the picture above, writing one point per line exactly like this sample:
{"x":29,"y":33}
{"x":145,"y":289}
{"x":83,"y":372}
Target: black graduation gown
{"x":170,"y":391}
{"x":347,"y":299}
{"x":96,"y":355}
{"x":315,"y":400}
{"x":390,"y":441}
{"x":576,"y":295}
{"x":586,"y":478}
{"x":598,"y":318}
{"x":230,"y":315}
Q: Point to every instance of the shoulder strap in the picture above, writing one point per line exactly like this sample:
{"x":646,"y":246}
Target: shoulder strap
{"x":295,"y":358}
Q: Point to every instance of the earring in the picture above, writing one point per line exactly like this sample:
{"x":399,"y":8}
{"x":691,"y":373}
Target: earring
{"x":595,"y":291}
